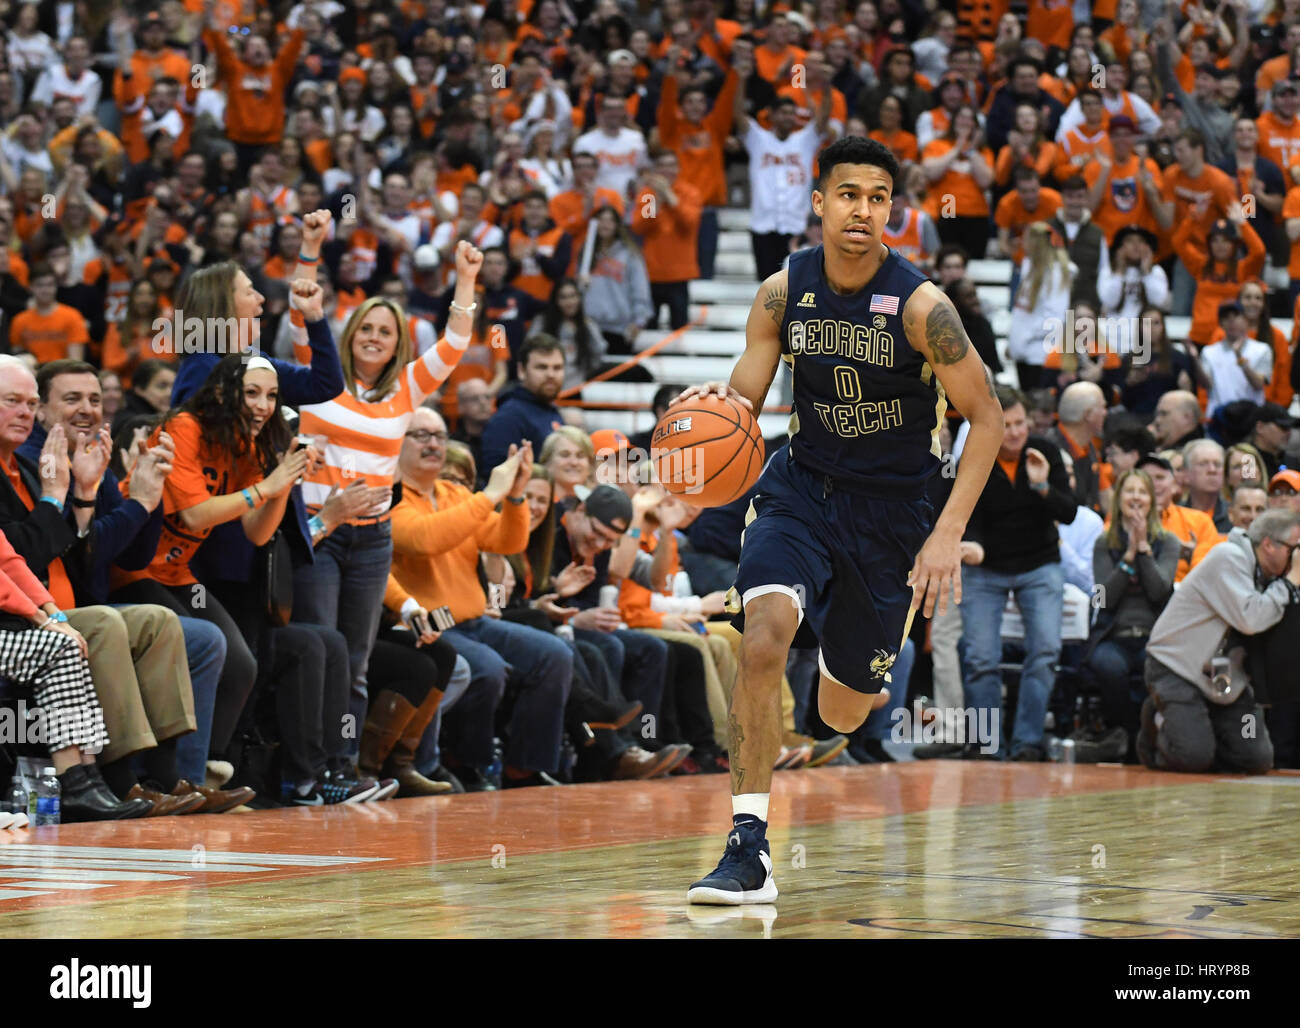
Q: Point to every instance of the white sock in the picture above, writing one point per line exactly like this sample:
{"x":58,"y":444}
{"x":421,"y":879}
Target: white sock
{"x":752,"y":803}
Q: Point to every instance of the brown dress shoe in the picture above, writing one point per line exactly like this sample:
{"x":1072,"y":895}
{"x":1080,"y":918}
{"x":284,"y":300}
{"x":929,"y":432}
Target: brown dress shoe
{"x":163,"y":804}
{"x":636,"y":763}
{"x":215,"y":801}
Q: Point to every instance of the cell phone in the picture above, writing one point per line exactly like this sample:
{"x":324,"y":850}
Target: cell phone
{"x":442,"y":618}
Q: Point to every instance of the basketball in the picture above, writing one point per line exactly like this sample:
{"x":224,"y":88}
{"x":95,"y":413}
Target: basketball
{"x":708,"y":451}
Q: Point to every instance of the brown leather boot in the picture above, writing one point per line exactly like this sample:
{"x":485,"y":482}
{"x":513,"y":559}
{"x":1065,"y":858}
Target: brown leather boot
{"x":387,"y":719}
{"x":401,"y":756}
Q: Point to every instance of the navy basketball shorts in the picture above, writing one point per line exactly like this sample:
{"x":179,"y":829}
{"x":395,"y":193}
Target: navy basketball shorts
{"x":843,"y":558}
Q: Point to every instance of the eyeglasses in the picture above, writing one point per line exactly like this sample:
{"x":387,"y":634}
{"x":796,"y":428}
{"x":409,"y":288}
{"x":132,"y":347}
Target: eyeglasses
{"x":422,"y":436}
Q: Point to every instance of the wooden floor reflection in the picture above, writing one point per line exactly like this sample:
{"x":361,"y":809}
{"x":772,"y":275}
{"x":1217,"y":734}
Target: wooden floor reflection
{"x":906,"y":850}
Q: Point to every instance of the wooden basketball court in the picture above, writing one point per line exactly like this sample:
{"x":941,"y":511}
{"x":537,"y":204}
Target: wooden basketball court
{"x":939,"y":848}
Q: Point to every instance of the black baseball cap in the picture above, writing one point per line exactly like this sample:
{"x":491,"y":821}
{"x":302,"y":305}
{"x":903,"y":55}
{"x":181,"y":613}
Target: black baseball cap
{"x":1230,"y":307}
{"x":1156,"y":460}
{"x":607,"y":504}
{"x":1275,"y":414}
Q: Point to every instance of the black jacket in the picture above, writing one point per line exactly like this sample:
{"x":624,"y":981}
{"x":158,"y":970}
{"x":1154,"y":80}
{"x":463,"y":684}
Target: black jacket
{"x":42,"y":534}
{"x":1016,"y":525}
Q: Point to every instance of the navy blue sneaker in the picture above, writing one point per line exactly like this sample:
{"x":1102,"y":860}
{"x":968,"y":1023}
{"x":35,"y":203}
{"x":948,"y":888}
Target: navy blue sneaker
{"x":743,"y":875}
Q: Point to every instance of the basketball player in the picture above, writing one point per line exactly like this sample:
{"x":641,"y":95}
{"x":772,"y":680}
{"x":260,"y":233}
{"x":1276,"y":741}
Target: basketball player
{"x":839,"y":543}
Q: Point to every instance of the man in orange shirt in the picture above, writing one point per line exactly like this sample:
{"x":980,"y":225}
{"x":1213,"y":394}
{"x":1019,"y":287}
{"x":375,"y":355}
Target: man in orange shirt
{"x":1125,"y":188}
{"x":697,"y":135}
{"x":439,"y":531}
{"x":154,"y":59}
{"x":1081,"y":144}
{"x":255,"y":115}
{"x":778,"y":54}
{"x":667,"y":217}
{"x":572,"y":209}
{"x":1195,"y":530}
{"x":1279,"y":129}
{"x":1189,"y":182}
{"x":48,"y":330}
{"x":542,"y":250}
{"x":1028,"y":202}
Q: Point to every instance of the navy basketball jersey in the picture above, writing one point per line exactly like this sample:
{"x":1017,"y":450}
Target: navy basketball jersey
{"x":867,"y":407}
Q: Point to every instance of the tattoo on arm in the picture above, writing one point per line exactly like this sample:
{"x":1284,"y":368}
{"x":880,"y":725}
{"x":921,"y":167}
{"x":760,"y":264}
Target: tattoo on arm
{"x":988,"y":377}
{"x":945,"y":336}
{"x":737,"y":737}
{"x":775,"y":303}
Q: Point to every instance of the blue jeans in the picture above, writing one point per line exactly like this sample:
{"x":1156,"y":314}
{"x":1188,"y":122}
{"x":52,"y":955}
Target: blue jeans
{"x":344,"y":589}
{"x":542,"y":663}
{"x":428,"y":756}
{"x":205,"y":652}
{"x":1040,"y":596}
{"x":637,"y":661}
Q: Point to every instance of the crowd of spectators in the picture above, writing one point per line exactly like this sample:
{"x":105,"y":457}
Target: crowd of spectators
{"x":440,"y":221}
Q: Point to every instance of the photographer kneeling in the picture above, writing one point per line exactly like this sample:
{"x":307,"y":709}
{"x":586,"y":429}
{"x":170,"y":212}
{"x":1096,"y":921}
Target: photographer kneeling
{"x":1201,"y":712}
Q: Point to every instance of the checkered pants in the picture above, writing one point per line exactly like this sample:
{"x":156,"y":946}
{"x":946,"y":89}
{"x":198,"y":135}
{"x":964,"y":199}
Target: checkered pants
{"x":52,"y":665}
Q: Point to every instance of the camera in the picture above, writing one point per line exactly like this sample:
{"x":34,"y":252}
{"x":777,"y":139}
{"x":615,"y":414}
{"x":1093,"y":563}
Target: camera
{"x":1221,"y":674}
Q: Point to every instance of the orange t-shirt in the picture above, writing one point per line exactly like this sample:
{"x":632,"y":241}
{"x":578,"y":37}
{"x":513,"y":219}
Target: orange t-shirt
{"x":902,"y":143}
{"x":1184,"y":191}
{"x":1124,"y":202}
{"x":1012,"y":215}
{"x":1051,"y":22}
{"x":768,"y":64}
{"x":1278,"y":141}
{"x":199,"y":473}
{"x":60,"y":585}
{"x":48,"y":336}
{"x":1010,"y":467}
{"x":669,"y":237}
{"x":1214,"y":285}
{"x":970,"y":201}
{"x":1043,"y":161}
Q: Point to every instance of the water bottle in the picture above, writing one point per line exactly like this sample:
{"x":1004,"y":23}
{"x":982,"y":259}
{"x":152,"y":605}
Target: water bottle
{"x":43,"y":805}
{"x":1060,"y":751}
{"x":494,"y":770}
{"x":17,"y":795}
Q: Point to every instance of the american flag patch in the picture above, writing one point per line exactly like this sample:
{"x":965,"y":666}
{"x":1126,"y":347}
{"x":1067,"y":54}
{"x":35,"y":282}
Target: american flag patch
{"x":883,"y":304}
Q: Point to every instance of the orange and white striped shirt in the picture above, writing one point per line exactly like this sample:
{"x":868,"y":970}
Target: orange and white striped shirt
{"x":365,"y":437}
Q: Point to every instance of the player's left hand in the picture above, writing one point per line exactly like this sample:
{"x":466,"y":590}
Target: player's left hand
{"x":937,"y":569}
{"x":722,"y":390}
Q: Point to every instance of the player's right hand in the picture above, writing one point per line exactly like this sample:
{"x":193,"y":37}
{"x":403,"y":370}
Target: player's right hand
{"x":722,"y":390}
